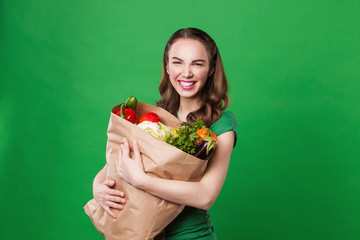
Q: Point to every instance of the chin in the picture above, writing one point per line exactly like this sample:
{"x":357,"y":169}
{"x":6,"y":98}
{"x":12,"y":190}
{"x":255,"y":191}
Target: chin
{"x":189,"y":96}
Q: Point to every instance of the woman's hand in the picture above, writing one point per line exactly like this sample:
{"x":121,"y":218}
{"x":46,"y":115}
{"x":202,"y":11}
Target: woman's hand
{"x":108,"y":198}
{"x":130,"y":169}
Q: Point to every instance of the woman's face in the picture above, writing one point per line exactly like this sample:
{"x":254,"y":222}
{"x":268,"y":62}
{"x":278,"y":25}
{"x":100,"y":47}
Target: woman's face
{"x":188,"y":67}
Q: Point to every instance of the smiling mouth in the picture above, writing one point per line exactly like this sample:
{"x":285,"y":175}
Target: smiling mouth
{"x":186,"y":84}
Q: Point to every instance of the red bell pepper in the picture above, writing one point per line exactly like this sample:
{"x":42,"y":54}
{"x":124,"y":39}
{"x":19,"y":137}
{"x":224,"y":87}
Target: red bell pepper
{"x":128,"y":114}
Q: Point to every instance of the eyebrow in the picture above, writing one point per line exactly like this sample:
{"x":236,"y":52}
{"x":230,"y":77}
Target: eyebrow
{"x":196,"y":60}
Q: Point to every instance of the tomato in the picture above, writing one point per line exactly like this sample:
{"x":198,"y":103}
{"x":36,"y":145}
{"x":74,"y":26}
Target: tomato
{"x":149,"y":116}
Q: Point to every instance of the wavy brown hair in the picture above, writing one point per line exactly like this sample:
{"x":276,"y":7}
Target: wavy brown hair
{"x":213,"y":96}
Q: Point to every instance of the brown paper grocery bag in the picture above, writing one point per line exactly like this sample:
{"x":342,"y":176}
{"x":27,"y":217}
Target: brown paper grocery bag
{"x":144,"y":215}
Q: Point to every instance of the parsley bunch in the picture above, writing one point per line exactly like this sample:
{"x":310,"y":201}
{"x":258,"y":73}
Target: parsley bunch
{"x":187,"y":137}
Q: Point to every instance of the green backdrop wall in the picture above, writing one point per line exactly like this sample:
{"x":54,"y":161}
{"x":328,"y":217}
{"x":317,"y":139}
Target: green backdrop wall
{"x":293,"y":69}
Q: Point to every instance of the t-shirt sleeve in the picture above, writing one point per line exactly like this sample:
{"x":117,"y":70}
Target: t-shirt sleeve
{"x":227,"y":122}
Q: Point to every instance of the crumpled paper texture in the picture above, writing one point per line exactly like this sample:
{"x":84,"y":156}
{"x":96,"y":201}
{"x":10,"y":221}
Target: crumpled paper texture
{"x":144,"y":215}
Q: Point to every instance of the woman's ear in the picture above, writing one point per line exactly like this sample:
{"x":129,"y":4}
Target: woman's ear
{"x":167,"y":69}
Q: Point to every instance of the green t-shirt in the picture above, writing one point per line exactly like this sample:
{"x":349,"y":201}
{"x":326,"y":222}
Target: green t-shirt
{"x":195,"y":223}
{"x":227,"y":122}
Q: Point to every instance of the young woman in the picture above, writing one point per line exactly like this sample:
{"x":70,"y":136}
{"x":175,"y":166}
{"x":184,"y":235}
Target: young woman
{"x":193,"y":86}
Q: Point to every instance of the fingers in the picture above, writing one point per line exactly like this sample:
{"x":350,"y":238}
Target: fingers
{"x":116,"y":206}
{"x":111,"y":191}
{"x":125,"y":147}
{"x":113,"y":200}
{"x":109,"y":198}
{"x":115,"y":193}
{"x":109,"y":183}
{"x":112,"y":194}
{"x":116,"y":199}
{"x":120,"y":154}
{"x":136,"y":149}
{"x":113,"y":203}
{"x":108,"y":210}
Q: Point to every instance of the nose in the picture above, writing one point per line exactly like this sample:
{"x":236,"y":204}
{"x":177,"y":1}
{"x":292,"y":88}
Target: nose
{"x":187,"y":72}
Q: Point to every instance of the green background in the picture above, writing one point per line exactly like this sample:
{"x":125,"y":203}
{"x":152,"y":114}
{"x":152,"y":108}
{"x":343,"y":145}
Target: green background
{"x":293,"y":70}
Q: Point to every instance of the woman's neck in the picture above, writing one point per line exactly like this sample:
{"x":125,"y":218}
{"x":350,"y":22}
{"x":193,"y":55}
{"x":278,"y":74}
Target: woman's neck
{"x":187,"y":106}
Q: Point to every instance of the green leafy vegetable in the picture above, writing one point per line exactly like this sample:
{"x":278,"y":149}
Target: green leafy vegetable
{"x":187,"y":136}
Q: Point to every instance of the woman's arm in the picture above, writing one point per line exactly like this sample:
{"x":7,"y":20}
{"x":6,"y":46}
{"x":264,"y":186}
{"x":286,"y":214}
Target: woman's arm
{"x":100,"y":177}
{"x":200,"y":194}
